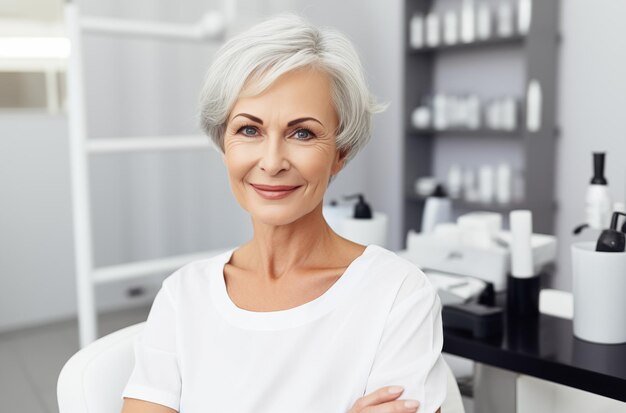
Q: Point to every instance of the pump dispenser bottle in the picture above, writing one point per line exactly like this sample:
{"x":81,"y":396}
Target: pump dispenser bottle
{"x":598,"y":198}
{"x":364,"y":226}
{"x":437,"y":210}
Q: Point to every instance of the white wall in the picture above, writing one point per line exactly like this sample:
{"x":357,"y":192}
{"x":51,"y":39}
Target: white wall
{"x":592,"y":105}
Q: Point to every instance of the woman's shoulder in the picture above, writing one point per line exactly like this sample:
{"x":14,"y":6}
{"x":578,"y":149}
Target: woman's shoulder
{"x":407,"y":276}
{"x":197,"y":270}
{"x":391,"y":262}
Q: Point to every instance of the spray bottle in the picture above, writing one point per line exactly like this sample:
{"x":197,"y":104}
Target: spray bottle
{"x":598,"y":205}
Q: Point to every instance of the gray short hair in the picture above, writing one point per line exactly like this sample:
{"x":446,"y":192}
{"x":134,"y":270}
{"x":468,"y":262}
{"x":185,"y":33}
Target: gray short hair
{"x":278,"y":45}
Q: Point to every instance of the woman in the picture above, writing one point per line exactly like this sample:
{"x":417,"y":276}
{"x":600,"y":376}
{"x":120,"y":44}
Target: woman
{"x":298,"y":319}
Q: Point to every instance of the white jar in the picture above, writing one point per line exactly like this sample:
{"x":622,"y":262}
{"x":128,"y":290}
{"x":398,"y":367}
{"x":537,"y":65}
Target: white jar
{"x":598,"y":286}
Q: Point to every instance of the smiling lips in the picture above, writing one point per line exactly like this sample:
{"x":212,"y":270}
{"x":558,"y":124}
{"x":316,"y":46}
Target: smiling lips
{"x":274,"y":191}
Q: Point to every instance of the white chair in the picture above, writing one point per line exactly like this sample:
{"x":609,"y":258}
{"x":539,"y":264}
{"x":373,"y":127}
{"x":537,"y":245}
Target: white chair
{"x":453,"y":402}
{"x":93,"y":379}
{"x":540,"y":396}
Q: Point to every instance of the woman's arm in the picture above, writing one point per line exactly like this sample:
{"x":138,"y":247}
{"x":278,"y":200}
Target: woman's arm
{"x":382,"y":400}
{"x":142,"y":406}
{"x":409,"y":352}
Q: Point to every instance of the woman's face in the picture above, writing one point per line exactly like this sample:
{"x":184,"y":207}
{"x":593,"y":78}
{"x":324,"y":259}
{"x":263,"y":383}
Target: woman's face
{"x":279,"y":140}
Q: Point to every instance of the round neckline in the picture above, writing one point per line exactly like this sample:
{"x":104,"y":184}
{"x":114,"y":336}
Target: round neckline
{"x":291,"y":317}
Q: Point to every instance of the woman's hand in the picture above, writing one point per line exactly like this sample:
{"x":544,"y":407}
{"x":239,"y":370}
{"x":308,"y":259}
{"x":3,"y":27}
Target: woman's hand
{"x":383,"y":401}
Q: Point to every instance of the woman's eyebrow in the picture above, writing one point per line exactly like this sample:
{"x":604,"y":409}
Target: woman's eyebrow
{"x":291,"y":123}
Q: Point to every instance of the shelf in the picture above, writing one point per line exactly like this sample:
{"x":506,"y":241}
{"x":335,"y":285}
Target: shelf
{"x":481,"y":44}
{"x":428,"y":69}
{"x":474,"y":206}
{"x":466,"y":132}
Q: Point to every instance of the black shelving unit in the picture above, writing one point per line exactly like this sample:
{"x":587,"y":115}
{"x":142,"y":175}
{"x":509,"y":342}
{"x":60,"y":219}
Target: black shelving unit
{"x":539,"y":48}
{"x":478,"y":44}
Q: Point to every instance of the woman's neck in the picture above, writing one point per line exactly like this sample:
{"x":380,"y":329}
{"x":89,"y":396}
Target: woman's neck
{"x":308,"y":242}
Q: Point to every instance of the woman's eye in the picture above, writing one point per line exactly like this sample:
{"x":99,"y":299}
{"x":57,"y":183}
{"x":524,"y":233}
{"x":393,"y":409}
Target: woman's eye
{"x":247,"y":128}
{"x":301,"y":134}
{"x":304,"y":134}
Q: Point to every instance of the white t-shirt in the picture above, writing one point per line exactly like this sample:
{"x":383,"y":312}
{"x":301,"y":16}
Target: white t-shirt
{"x":379,"y":324}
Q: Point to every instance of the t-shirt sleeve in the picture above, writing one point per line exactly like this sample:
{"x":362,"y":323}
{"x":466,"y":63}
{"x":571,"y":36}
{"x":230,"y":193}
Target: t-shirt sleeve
{"x":409,"y":353}
{"x":156,"y":376}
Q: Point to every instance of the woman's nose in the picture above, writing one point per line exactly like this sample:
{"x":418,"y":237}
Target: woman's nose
{"x":273,"y":159}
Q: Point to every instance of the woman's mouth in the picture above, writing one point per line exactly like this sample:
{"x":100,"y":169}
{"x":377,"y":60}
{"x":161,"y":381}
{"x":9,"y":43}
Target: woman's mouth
{"x":274,"y":191}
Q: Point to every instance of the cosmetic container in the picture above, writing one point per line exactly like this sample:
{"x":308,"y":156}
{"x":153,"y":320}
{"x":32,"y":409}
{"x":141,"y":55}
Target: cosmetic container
{"x":479,"y":229}
{"x":508,"y":110}
{"x":468,"y":30}
{"x":473,"y":112}
{"x":455,"y":181}
{"x":598,"y":202}
{"x":522,"y":283}
{"x":463,"y":112}
{"x":486,"y":184}
{"x":483,"y":22}
{"x":440,"y":111}
{"x":503,"y":184}
{"x":505,"y":19}
{"x":416,"y":37}
{"x":470,"y":193}
{"x":450,"y":28}
{"x":425,"y":185}
{"x":598,"y":285}
{"x":533,"y":106}
{"x":363,"y":225}
{"x":524,"y":13}
{"x":437,"y":210}
{"x":432,"y":30}
{"x":421,"y":117}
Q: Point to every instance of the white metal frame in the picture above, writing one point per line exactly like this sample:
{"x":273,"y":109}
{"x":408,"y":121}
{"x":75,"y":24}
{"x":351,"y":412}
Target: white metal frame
{"x":210,"y":27}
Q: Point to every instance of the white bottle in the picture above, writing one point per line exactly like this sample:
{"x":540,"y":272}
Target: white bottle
{"x":508,"y":114}
{"x":469,"y":186}
{"x":598,"y":204}
{"x":473,"y":112}
{"x":421,"y":117}
{"x":432,"y":30}
{"x":468,"y":30}
{"x":521,"y":223}
{"x":505,"y":19}
{"x":524,"y":12}
{"x":440,"y":109}
{"x":417,"y":31}
{"x":437,"y":210}
{"x":450,"y":28}
{"x":455,"y":181}
{"x":504,"y":183}
{"x":486,"y":184}
{"x":483,"y":22}
{"x":533,"y":106}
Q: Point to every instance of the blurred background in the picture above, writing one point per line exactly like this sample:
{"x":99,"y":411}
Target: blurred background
{"x":147,"y":205}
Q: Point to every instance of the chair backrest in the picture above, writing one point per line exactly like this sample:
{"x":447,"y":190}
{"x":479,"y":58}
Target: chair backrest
{"x":93,"y":379}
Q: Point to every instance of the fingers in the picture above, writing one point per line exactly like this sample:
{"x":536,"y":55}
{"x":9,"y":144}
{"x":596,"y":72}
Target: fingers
{"x":383,"y":401}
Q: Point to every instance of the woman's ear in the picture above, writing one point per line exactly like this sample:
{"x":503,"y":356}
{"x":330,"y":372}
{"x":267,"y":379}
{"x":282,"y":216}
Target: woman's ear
{"x":340,"y":161}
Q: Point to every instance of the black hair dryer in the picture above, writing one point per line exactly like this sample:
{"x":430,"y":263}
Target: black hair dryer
{"x":612,"y":240}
